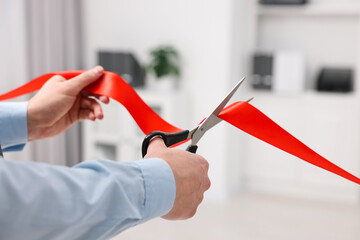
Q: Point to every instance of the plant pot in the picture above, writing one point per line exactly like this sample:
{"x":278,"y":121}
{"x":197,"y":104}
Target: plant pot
{"x":164,"y":84}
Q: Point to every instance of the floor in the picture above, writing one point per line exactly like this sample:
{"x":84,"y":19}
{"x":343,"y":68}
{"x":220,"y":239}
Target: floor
{"x":256,"y":216}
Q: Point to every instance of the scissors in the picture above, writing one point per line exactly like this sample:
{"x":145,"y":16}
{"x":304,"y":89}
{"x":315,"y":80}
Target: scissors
{"x":195,"y":134}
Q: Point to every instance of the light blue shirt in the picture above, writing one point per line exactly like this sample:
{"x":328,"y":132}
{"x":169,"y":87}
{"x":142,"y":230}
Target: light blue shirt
{"x":94,"y":200}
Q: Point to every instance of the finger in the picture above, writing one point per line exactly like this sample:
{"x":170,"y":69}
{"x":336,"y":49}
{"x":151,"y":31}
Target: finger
{"x":93,"y":105}
{"x":86,"y":114}
{"x":76,"y":84}
{"x":104,"y":99}
{"x":156,"y":144}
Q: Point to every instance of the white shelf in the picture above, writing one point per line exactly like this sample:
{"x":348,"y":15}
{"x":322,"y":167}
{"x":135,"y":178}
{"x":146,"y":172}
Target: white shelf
{"x":336,"y":10}
{"x":309,"y":94}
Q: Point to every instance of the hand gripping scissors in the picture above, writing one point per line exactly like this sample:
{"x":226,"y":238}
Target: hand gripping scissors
{"x":195,"y":134}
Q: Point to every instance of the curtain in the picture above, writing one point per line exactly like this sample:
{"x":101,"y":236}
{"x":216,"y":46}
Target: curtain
{"x":13,"y":57}
{"x":54,"y":44}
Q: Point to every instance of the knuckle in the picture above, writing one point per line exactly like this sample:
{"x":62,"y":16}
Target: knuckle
{"x":57,"y":78}
{"x":200,"y":198}
{"x":206,"y":164}
{"x":203,"y":161}
{"x":207,"y":184}
{"x":191,"y":213}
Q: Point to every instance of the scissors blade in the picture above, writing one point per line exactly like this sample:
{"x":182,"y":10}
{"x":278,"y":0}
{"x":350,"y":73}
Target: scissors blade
{"x":213,"y":119}
{"x":227,"y":98}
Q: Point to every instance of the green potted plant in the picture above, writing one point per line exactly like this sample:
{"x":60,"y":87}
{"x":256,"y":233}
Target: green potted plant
{"x":164,"y":66}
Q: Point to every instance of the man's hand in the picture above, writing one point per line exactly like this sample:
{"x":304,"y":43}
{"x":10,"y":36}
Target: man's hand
{"x":61,"y":102}
{"x":191,"y":178}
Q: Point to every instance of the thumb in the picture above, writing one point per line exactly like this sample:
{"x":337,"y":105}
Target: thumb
{"x":78,"y":83}
{"x":156,"y":145}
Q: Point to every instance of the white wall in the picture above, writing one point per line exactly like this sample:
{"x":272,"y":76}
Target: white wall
{"x":202,"y":31}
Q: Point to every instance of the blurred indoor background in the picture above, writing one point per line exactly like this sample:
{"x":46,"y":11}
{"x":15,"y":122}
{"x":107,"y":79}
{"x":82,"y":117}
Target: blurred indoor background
{"x":301,"y":61}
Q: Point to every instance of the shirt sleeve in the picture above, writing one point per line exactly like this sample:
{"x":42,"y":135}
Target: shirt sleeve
{"x":93,"y":200}
{"x":13,"y":125}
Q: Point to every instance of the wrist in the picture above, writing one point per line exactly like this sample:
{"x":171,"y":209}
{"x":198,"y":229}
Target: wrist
{"x":33,"y":132}
{"x":33,"y":126}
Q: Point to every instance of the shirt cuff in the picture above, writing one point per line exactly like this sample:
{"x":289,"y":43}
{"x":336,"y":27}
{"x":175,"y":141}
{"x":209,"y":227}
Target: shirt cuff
{"x":13,"y":123}
{"x":14,"y":148}
{"x":160,"y":188}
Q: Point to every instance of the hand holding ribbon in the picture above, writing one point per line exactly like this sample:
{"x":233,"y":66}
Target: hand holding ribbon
{"x":61,"y":103}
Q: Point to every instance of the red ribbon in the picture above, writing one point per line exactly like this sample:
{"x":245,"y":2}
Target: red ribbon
{"x":240,"y":114}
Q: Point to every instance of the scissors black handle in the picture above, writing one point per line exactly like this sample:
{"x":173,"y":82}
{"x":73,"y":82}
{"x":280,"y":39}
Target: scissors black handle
{"x":169,"y":139}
